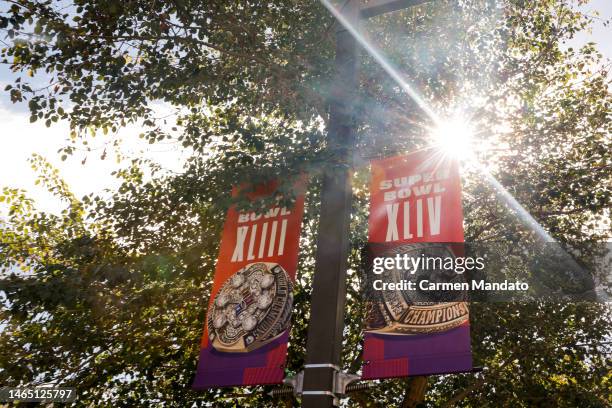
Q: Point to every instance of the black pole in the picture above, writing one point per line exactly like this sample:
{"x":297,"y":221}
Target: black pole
{"x":326,"y":322}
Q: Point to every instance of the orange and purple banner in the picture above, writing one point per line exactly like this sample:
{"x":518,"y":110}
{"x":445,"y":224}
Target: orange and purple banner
{"x":415,"y":215}
{"x":249,"y":312}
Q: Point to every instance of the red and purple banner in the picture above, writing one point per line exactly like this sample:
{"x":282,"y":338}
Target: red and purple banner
{"x":249,"y":313}
{"x":415,"y":212}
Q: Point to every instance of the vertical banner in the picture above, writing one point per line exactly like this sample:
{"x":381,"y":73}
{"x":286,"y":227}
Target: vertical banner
{"x":249,"y":312}
{"x":415,"y":213}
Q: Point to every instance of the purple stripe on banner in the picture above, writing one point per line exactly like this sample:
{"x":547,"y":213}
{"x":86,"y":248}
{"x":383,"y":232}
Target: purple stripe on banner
{"x":219,"y":369}
{"x":425,"y":345}
{"x":455,"y":363}
{"x":386,"y":368}
{"x":440,"y":353}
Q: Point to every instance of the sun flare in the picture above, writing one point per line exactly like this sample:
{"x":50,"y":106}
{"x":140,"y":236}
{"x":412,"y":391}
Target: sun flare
{"x":455,"y":137}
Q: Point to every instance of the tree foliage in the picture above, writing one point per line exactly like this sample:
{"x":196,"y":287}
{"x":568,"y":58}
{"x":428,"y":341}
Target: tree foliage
{"x":109,"y":296}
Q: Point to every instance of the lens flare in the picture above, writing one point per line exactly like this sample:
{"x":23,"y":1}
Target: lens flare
{"x":455,"y":137}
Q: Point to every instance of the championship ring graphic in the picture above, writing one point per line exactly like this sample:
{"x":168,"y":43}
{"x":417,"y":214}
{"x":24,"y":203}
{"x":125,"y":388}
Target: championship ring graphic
{"x":415,"y":311}
{"x":252,"y":308}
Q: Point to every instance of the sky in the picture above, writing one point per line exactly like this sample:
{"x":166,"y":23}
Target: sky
{"x":20,"y":138}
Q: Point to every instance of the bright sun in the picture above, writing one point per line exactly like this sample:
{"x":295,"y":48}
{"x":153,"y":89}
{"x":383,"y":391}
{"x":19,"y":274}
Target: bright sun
{"x":454,"y":136}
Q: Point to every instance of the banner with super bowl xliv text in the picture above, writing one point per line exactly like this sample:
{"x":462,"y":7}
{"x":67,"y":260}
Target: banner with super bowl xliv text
{"x":249,"y":312}
{"x":415,"y":228}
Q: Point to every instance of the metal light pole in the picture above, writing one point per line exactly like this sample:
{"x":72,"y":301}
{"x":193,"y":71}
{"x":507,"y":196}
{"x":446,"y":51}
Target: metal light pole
{"x":322,"y":378}
{"x":326,"y":323}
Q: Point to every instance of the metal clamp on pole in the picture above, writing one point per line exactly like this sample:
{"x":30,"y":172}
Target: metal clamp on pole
{"x":328,"y":393}
{"x":342,"y":380}
{"x":297,"y":382}
{"x":334,"y":366}
{"x":340,"y":387}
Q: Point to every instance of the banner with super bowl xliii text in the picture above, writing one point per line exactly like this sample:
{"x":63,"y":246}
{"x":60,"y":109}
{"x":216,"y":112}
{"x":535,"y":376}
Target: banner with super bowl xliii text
{"x":415,"y":216}
{"x":249,"y":313}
